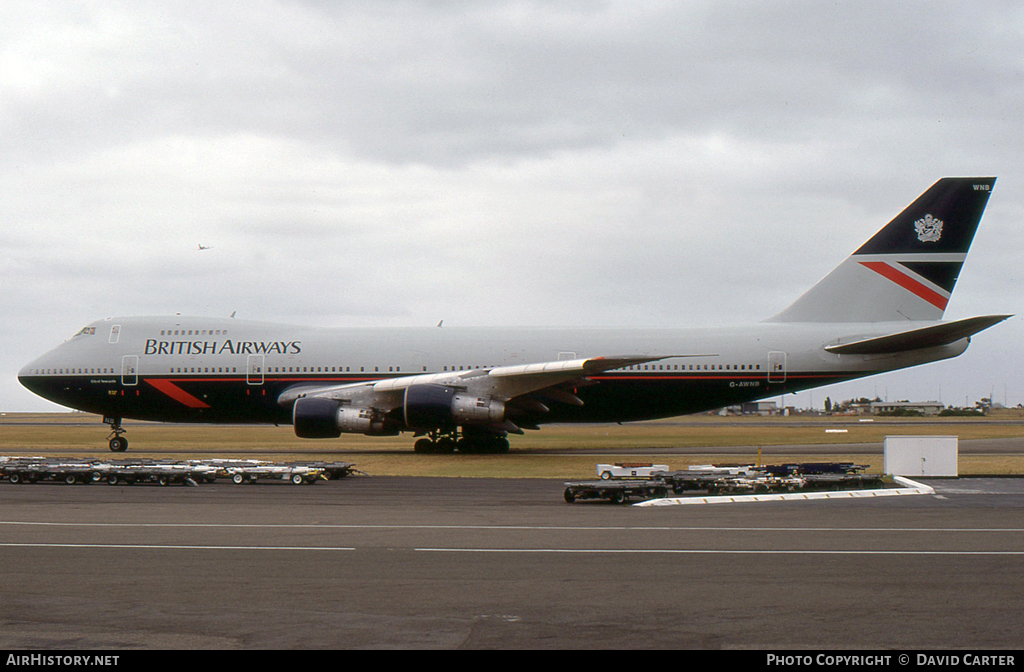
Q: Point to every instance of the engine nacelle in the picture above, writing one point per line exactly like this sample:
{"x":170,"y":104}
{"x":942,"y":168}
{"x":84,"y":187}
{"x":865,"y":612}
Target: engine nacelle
{"x":440,"y":406}
{"x":319,"y":418}
{"x":315,"y":418}
{"x":471,"y":409}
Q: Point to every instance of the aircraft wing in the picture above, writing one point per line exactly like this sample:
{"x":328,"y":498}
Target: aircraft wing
{"x":915,"y":339}
{"x":502,"y":382}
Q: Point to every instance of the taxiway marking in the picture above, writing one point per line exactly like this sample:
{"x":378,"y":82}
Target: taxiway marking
{"x":540,"y":528}
{"x":180,"y":547}
{"x":606,"y":551}
{"x":704,"y":551}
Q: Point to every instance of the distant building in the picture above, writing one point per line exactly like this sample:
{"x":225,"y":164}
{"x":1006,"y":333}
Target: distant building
{"x":750,"y":408}
{"x":925,"y":407}
{"x":759,"y":408}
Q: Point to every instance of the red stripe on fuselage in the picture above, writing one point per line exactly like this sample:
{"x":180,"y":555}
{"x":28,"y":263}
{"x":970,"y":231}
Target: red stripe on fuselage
{"x":907,"y":283}
{"x":176,"y":393}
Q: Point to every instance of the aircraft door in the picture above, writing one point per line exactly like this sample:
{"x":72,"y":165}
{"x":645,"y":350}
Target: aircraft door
{"x":776,"y":367}
{"x":130,"y":370}
{"x":254,"y":369}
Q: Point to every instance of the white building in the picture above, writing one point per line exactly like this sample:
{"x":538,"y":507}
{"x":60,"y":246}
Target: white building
{"x":925,"y":407}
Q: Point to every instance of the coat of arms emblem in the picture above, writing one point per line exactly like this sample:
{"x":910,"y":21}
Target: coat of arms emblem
{"x":929,"y":229}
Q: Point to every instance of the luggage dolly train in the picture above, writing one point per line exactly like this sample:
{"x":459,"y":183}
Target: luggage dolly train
{"x":165,"y":472}
{"x":621,"y":481}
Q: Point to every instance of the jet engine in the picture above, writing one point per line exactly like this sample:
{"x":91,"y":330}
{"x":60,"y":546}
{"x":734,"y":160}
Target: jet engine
{"x":432,"y":406}
{"x":319,"y":418}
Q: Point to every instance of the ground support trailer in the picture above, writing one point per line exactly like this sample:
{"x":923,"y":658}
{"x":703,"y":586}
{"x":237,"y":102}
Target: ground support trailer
{"x":812,"y":468}
{"x":127,"y":472}
{"x":35,"y":469}
{"x":629,"y":470}
{"x":40,"y":469}
{"x":251,"y":471}
{"x":299,"y":475}
{"x":715,"y":482}
{"x":163,"y":472}
{"x":331,"y":470}
{"x":771,"y":478}
{"x":681,"y":481}
{"x":828,"y":475}
{"x":843,"y":481}
{"x":615,"y":491}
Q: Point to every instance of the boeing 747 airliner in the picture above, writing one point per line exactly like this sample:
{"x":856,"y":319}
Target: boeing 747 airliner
{"x":466,"y":389}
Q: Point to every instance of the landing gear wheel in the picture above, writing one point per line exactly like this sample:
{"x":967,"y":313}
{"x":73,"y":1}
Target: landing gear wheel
{"x":476,"y":442}
{"x":118,"y":444}
{"x":469,"y":443}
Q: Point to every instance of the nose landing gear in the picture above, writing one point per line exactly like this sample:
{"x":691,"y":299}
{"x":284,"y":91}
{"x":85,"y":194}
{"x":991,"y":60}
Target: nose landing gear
{"x":118,"y":444}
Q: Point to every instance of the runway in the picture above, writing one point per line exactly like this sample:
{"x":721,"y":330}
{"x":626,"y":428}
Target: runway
{"x":385,"y":562}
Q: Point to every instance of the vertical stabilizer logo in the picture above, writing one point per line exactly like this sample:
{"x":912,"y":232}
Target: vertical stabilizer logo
{"x":929,"y":229}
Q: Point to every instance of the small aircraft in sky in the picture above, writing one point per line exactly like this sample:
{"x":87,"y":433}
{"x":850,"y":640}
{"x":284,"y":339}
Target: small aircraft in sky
{"x":467,"y":389}
{"x":205,"y":247}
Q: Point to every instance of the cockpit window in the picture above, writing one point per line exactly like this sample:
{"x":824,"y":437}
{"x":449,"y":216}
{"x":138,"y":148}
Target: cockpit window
{"x":86,"y":331}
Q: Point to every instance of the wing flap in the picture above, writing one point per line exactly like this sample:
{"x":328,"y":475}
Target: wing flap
{"x":916,"y":339}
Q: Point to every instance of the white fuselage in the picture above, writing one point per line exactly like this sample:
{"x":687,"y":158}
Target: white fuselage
{"x":227,"y":370}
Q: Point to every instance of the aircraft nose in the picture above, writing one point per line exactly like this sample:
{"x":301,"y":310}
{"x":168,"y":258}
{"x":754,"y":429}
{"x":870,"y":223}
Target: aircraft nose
{"x":31,"y":374}
{"x":37,"y":377}
{"x":27,"y":370}
{"x":26,"y":373}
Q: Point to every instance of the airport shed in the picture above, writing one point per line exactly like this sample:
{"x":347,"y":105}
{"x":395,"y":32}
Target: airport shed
{"x":924,"y":407}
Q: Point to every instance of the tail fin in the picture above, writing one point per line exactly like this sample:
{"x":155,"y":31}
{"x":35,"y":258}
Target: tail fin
{"x":908,"y":269}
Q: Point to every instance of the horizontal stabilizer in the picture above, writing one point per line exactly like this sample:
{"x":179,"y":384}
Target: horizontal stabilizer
{"x":915,"y":339}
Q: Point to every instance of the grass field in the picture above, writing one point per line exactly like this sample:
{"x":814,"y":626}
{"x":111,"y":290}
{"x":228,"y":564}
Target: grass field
{"x":557,"y":451}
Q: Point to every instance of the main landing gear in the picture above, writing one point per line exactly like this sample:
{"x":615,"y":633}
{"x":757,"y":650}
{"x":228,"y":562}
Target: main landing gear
{"x":118,"y":444}
{"x":440,"y":441}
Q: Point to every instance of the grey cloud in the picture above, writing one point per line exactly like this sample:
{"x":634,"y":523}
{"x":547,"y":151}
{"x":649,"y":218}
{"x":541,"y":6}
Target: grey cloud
{"x":489,"y":163}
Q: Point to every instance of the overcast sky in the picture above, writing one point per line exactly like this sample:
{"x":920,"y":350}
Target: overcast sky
{"x":496,"y":163}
